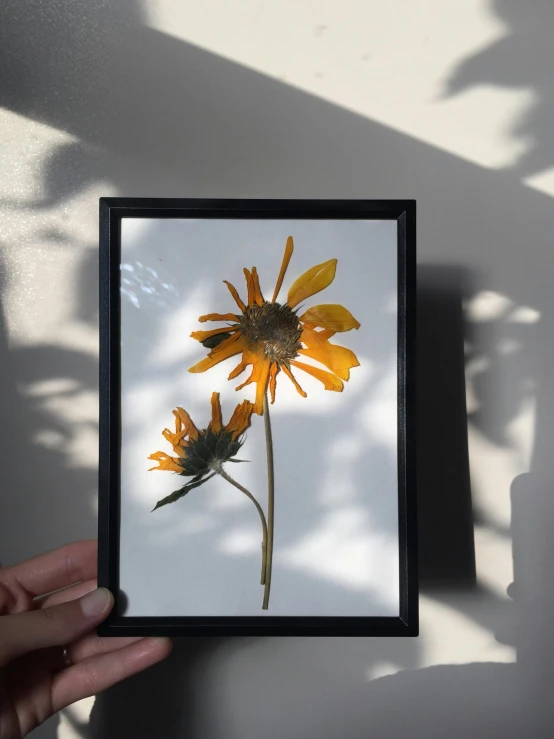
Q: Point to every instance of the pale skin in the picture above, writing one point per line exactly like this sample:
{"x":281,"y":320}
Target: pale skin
{"x":34,"y":681}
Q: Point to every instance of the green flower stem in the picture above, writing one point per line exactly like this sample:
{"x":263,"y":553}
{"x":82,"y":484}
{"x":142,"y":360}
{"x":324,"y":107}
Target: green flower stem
{"x":225,"y":476}
{"x":270,"y":502}
{"x":264,"y":549}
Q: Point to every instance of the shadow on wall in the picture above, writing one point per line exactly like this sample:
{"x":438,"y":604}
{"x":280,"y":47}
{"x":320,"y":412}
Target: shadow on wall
{"x":522,"y":59}
{"x":40,"y":483}
{"x":156,"y":116}
{"x":44,"y":501}
{"x":445,"y":517}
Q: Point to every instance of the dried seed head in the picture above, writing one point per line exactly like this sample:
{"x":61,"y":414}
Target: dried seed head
{"x":209,"y":451}
{"x":274,"y":326}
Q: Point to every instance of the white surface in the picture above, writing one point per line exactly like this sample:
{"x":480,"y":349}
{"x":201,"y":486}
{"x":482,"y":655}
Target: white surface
{"x":336,"y":530}
{"x":117,"y":98}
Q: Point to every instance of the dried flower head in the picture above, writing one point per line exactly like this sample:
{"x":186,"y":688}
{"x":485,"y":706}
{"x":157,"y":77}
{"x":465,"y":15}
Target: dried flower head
{"x":200,"y":453}
{"x":271,"y":335}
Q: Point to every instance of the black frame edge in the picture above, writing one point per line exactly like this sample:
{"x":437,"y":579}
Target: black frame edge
{"x":111,"y":212}
{"x":109,"y":387}
{"x":407,"y":286}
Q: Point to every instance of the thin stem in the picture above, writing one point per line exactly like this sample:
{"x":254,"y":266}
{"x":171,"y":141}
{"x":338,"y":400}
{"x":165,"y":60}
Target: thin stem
{"x":270,"y":502}
{"x":262,"y":576}
{"x":225,"y":476}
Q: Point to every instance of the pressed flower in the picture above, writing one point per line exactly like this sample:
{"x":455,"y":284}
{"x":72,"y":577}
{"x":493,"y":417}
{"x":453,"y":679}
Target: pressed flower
{"x":200,"y":454}
{"x":271,"y":336}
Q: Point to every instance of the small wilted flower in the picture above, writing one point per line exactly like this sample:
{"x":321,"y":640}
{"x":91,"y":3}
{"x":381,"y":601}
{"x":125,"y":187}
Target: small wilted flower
{"x":200,"y":453}
{"x":270,"y":335}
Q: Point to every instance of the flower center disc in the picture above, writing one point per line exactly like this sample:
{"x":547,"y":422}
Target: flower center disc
{"x":274,"y":326}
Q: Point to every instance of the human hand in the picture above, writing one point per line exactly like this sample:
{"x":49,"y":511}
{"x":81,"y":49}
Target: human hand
{"x":37,"y":677}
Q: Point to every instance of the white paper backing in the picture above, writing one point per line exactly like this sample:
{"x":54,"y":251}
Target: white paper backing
{"x":336,"y":537}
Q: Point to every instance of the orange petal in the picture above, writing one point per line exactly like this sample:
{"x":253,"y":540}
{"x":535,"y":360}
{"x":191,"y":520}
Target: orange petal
{"x":175,"y":439}
{"x":331,"y":382}
{"x":249,"y":381}
{"x":226,"y":342}
{"x":215,"y":423}
{"x":337,"y":358}
{"x":188,"y":423}
{"x":218,"y":317}
{"x":165,"y":462}
{"x":203,"y":335}
{"x":229,"y":341}
{"x":254,"y":358}
{"x":258,"y":297}
{"x":289,"y":248}
{"x":253,"y":284}
{"x":273,"y":380}
{"x":223,"y":351}
{"x":240,"y":420}
{"x":262,"y":385}
{"x":326,"y":334}
{"x":236,"y":296}
{"x":289,"y":374}
{"x":311,"y":282}
{"x":339,"y":361}
{"x":238,"y":369}
{"x":249,"y":287}
{"x":333,"y":317}
{"x":256,"y":361}
{"x":313,"y":338}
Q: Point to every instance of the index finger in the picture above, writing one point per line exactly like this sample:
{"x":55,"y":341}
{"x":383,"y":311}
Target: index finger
{"x":57,"y":569}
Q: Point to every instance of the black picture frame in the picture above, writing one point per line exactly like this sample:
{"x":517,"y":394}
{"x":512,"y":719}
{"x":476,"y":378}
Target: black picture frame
{"x":112,"y":210}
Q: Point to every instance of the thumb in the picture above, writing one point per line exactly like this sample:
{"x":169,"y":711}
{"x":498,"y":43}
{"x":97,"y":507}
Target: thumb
{"x":49,"y":627}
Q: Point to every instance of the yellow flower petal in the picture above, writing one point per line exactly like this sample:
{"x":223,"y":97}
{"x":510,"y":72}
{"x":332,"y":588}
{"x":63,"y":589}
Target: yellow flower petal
{"x":240,"y":420}
{"x":258,"y":297}
{"x":333,"y":317}
{"x":256,"y":360}
{"x":249,"y":287}
{"x":215,"y":423}
{"x":238,"y":370}
{"x":262,"y":385}
{"x":338,"y":359}
{"x":324,"y":334}
{"x":203,"y":335}
{"x":165,"y":462}
{"x":311,"y":282}
{"x":289,"y":374}
{"x":273,"y":380}
{"x":226,"y":342}
{"x":289,"y":248}
{"x":188,"y":423}
{"x":225,"y":350}
{"x":331,"y":382}
{"x":248,"y":381}
{"x":218,"y":317}
{"x":236,"y":296}
{"x":175,"y":439}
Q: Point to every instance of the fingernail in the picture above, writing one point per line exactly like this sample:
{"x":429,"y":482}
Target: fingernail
{"x":96,"y":602}
{"x":160,"y":640}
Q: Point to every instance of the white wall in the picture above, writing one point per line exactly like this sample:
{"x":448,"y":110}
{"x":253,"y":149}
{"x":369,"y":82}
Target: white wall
{"x":450,"y":103}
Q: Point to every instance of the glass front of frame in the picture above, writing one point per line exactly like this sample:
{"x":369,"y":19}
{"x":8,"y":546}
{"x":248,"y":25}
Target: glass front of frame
{"x":334,"y":530}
